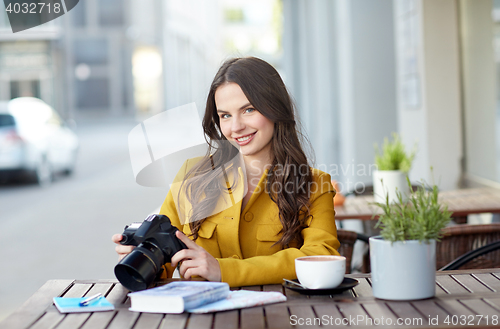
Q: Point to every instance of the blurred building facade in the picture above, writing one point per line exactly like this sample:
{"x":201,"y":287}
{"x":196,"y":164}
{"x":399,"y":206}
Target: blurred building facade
{"x":100,"y":60}
{"x":31,"y":62}
{"x":198,"y":35}
{"x":358,"y":70}
{"x":191,"y":50}
{"x":100,"y":37}
{"x":253,"y":28}
{"x":361,"y":69}
{"x":336,"y":54}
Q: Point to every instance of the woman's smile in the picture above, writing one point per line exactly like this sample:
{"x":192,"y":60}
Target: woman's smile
{"x":244,"y":140}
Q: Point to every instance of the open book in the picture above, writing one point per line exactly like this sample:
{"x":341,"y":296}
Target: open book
{"x":241,"y":299}
{"x":198,"y":297}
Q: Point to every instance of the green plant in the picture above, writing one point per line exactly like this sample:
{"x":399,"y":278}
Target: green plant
{"x":421,"y":218}
{"x":393,"y":155}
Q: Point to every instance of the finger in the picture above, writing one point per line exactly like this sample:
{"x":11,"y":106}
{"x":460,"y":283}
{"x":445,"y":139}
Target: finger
{"x":193,"y":272}
{"x":187,"y":241}
{"x":123,"y":250}
{"x":117,"y":238}
{"x":186,"y":265}
{"x":182,"y":255}
{"x":121,"y":256}
{"x":199,"y":267}
{"x":190,"y":272}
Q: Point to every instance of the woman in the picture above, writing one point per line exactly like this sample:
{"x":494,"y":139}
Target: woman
{"x":287,"y":211}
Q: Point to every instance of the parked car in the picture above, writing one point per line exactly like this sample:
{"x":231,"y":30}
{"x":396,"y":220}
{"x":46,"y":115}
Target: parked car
{"x":34,"y":141}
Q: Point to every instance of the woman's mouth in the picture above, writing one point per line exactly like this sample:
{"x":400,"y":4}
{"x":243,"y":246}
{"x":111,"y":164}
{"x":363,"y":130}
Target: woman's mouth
{"x":244,"y":140}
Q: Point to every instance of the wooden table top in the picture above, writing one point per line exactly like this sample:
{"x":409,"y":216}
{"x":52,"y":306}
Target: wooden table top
{"x":466,"y":298}
{"x":460,"y":202}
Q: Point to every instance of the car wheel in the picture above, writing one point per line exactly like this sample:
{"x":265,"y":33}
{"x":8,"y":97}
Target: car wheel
{"x":71,"y":168}
{"x":43,"y":173}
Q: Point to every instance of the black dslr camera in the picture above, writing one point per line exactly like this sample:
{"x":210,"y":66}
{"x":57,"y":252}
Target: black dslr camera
{"x":156,"y":244}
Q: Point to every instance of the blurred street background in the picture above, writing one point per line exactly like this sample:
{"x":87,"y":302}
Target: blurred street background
{"x":358,"y":70}
{"x":64,"y":230}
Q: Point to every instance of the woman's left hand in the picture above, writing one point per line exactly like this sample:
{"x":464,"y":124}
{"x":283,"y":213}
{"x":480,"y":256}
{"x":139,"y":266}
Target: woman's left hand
{"x":195,"y":261}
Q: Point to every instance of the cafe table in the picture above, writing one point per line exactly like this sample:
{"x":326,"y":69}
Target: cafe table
{"x":464,"y":299}
{"x":461,"y":202}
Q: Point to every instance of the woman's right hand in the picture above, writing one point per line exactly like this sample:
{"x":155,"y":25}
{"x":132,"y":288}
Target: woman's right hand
{"x":120,"y":249}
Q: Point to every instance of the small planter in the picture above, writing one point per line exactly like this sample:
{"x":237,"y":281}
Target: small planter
{"x":403,"y":270}
{"x":387,"y":182}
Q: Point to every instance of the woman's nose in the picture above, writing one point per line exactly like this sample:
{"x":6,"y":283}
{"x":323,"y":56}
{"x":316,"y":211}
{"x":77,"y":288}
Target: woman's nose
{"x":237,"y":124}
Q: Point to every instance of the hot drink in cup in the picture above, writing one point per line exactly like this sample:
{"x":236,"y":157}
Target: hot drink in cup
{"x":320,"y":272}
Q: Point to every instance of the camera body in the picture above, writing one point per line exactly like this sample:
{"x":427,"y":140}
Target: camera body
{"x":155,"y":243}
{"x":155,"y":229}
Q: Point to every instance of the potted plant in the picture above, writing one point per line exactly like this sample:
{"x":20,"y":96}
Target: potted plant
{"x":403,"y":258}
{"x":393,"y":164}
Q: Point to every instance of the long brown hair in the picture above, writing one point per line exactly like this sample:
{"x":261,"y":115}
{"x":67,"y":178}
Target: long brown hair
{"x":288,"y":179}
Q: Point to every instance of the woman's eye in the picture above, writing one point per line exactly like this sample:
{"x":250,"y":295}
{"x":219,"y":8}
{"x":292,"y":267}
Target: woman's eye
{"x":224,"y":116}
{"x":249,"y":110}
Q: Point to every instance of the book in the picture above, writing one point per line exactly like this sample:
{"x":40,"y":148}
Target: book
{"x":176,"y":297}
{"x":72,"y":305}
{"x":241,"y":299}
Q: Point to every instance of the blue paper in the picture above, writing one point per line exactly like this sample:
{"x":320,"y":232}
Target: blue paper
{"x":72,"y":305}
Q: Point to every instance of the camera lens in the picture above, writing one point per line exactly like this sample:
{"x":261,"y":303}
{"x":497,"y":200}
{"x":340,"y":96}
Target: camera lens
{"x":138,"y":270}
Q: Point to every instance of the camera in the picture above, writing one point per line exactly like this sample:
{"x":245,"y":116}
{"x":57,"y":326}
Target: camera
{"x":155,"y":243}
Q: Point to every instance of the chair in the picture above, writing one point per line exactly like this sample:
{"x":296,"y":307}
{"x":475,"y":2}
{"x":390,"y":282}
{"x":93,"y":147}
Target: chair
{"x":471,"y":256}
{"x":347,"y":240}
{"x":462,"y":239}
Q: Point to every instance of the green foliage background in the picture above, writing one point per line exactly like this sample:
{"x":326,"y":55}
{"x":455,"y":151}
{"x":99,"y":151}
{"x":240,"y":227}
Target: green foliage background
{"x":393,"y":155}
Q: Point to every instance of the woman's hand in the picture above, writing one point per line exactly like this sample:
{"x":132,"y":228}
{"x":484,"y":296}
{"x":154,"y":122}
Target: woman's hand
{"x":195,"y":261}
{"x":121,"y":250}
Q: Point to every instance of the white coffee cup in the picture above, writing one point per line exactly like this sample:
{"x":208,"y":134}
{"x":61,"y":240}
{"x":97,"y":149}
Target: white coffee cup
{"x":320,"y":272}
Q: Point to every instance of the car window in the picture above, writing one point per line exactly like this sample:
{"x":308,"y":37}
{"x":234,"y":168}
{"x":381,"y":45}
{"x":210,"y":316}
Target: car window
{"x":6,"y":120}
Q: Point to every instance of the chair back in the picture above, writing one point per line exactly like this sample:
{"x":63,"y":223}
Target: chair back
{"x":347,"y":240}
{"x":461,"y":239}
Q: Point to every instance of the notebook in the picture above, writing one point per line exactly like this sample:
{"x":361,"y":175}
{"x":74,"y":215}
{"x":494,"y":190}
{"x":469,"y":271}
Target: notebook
{"x":72,"y":305}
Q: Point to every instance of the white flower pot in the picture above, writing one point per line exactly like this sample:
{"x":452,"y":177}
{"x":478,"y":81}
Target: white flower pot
{"x":403,"y":270}
{"x":388,"y":182}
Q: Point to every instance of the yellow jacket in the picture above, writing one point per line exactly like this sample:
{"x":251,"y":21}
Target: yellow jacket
{"x":243,"y":241}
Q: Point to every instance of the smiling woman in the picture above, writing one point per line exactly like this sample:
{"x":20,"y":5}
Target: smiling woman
{"x":287,"y":210}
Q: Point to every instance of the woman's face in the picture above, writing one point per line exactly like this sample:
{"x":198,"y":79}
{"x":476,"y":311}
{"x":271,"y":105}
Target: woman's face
{"x":241,"y":123}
